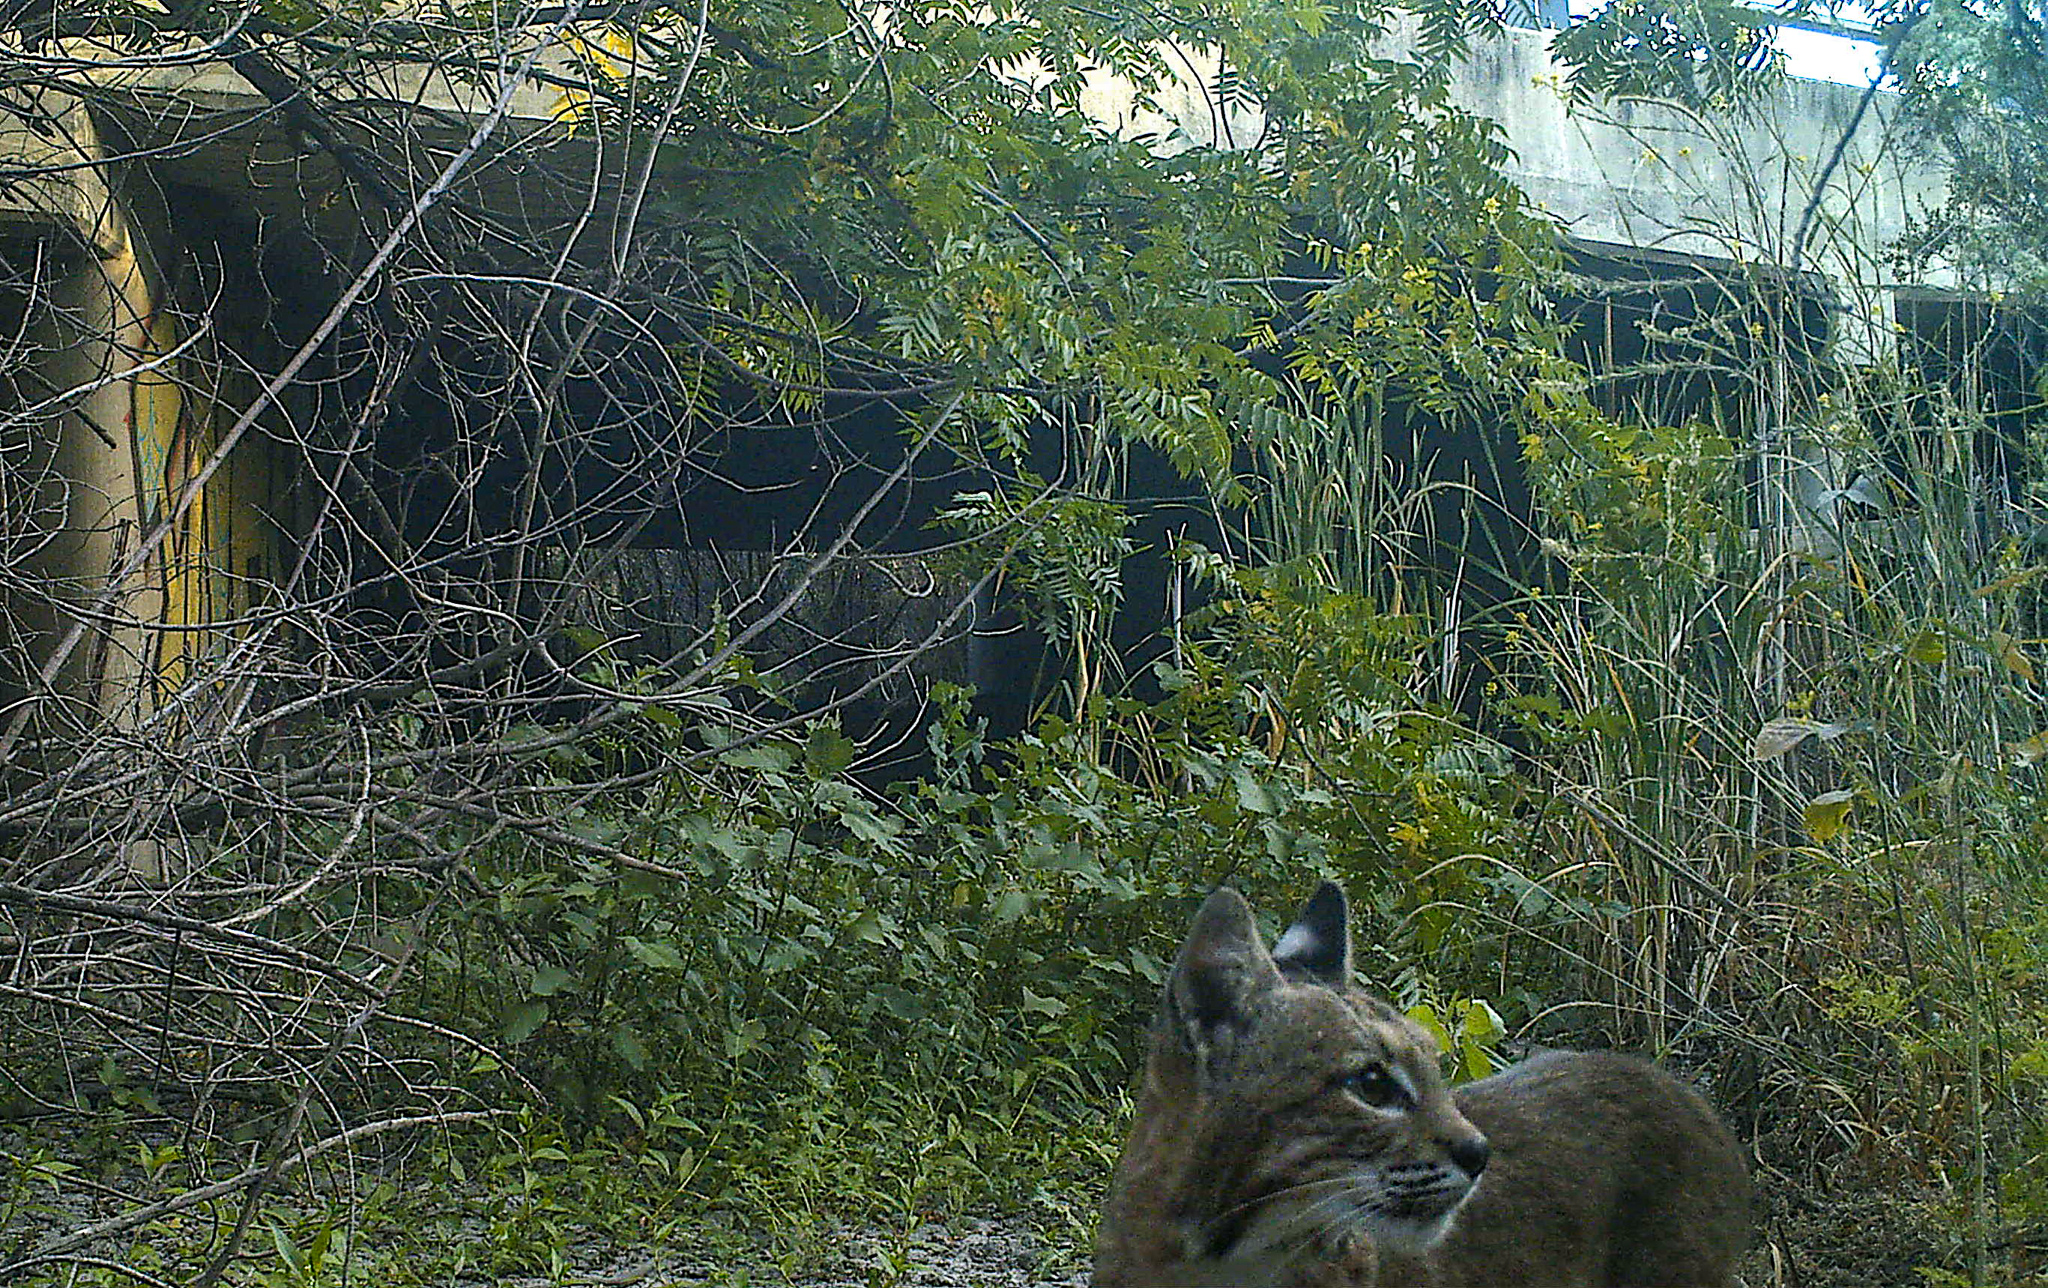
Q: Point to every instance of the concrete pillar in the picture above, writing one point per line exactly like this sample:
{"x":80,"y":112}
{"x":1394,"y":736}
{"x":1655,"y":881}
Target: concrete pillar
{"x":75,"y":459}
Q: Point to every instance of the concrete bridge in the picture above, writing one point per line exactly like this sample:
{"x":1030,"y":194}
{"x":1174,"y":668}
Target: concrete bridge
{"x":1662,"y":208}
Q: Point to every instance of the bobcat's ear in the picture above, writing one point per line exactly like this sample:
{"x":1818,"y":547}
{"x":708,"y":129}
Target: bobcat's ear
{"x":1222,"y":969}
{"x":1318,"y":944}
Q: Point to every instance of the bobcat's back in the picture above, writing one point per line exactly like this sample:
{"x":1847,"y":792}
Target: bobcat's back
{"x":1607,"y":1173}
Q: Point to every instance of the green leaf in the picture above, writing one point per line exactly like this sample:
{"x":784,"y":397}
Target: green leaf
{"x":827,"y":751}
{"x":1928,"y":648}
{"x":287,"y":1251}
{"x":785,"y":956}
{"x":521,"y":1019}
{"x":601,"y":828}
{"x":761,"y":756}
{"x":1253,"y":796}
{"x":657,"y":953}
{"x":1479,"y":1022}
{"x":1474,"y":1062}
{"x":2007,"y":650}
{"x":868,"y":928}
{"x":744,"y":1038}
{"x":627,"y":1044}
{"x":662,"y":716}
{"x":1061,"y":856}
{"x":1425,"y":1015}
{"x":869,"y":826}
{"x":902,"y":1003}
{"x":549,"y":980}
{"x":1047,"y":1006}
{"x":316,"y":1251}
{"x":1827,"y":815}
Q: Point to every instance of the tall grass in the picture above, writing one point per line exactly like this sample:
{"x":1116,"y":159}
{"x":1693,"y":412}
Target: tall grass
{"x":1799,"y":771}
{"x":1776,"y":688}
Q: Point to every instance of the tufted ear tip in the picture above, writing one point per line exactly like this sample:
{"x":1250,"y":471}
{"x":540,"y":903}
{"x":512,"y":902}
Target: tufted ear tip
{"x":1318,"y":944}
{"x":1221,"y":970}
{"x":1224,"y":912}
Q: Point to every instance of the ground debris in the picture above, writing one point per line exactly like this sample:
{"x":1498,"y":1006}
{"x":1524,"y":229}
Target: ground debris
{"x":966,"y":1253}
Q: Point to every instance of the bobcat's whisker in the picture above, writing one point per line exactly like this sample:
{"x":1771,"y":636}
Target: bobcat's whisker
{"x":1287,"y":1191}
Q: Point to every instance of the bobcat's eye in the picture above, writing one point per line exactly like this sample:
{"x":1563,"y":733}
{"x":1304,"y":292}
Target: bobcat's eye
{"x":1375,"y":1086}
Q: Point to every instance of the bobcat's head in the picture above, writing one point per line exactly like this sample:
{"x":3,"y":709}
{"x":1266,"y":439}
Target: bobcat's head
{"x":1283,"y":1111}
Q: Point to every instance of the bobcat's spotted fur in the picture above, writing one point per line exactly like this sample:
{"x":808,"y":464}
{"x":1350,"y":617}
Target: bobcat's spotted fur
{"x":1295,"y":1132}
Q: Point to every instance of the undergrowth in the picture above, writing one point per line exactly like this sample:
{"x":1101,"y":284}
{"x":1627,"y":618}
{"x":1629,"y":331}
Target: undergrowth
{"x":770,"y":1002}
{"x":744,"y":1010}
{"x":765,"y":1004}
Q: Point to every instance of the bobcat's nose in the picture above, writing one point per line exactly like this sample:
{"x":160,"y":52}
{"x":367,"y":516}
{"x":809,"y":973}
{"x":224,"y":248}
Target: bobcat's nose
{"x":1471,"y":1154}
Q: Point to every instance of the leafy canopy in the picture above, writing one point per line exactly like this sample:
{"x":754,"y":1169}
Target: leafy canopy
{"x":1976,"y":83}
{"x":957,"y":196}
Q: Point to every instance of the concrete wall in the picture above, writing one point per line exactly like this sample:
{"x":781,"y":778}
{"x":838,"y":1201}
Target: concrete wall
{"x":1721,"y":187}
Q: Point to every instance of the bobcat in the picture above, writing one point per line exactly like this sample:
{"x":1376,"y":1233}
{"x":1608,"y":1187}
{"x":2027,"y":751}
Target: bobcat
{"x":1295,"y":1132}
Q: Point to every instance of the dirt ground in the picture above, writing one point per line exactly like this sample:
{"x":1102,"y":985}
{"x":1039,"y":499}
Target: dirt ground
{"x":1846,"y":1241}
{"x":1855,"y":1238}
{"x":972,"y":1253}
{"x":1852,"y":1234}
